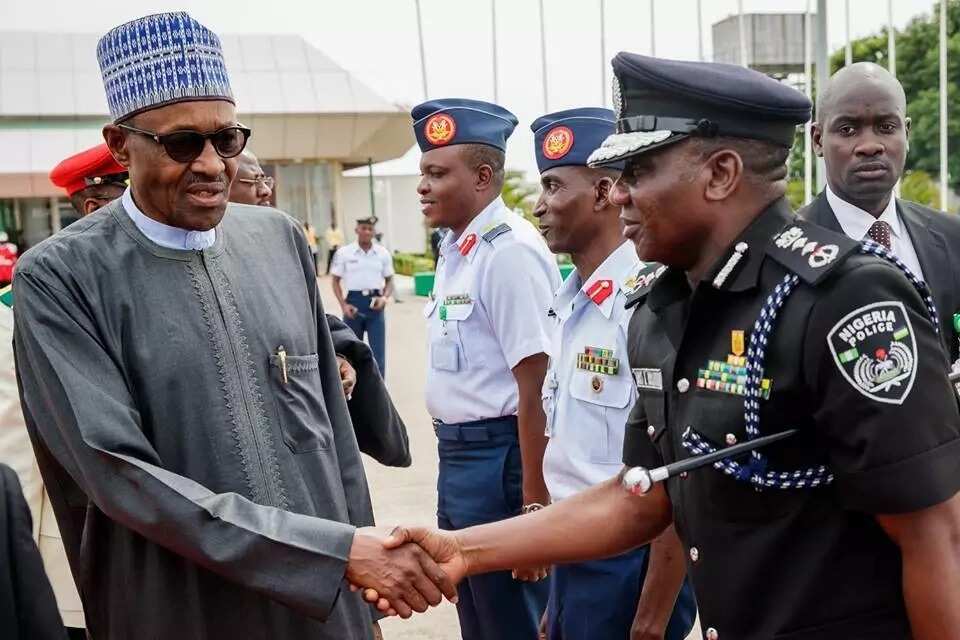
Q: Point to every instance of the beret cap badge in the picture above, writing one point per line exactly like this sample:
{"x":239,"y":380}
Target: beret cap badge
{"x":558,"y":142}
{"x":440,"y":129}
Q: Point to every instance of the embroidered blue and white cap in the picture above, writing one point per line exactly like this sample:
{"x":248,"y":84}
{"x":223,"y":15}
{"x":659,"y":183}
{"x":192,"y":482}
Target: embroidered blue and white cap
{"x":158,"y":60}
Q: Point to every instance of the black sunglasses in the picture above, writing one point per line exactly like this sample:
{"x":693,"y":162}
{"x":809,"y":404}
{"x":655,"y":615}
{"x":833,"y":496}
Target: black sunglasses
{"x":186,"y":146}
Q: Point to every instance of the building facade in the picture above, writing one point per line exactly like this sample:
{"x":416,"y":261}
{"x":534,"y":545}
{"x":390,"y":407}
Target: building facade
{"x":311,"y":119}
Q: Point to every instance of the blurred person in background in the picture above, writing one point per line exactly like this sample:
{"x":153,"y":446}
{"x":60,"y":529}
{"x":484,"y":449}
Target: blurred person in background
{"x":333,"y":237}
{"x":363,"y":283}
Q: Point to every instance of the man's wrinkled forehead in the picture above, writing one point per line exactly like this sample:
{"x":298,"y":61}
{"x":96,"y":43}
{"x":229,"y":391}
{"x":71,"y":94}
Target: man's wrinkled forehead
{"x":858,"y":96}
{"x":855,"y":107}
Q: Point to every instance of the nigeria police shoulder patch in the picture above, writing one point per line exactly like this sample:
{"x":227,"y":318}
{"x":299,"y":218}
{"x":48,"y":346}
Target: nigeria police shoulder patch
{"x":876,"y":351}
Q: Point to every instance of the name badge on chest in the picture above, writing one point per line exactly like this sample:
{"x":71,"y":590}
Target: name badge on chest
{"x":647,"y":378}
{"x":456,"y":307}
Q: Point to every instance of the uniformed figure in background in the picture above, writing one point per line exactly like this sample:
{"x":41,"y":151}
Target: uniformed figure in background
{"x":762,"y":323}
{"x":588,"y":391}
{"x":91,"y":179}
{"x":488,"y":340}
{"x":364,"y":269}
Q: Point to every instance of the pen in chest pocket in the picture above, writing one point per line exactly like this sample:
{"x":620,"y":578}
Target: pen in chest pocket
{"x":282,"y":356}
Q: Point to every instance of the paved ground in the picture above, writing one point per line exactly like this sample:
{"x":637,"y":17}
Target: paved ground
{"x":409,"y":495}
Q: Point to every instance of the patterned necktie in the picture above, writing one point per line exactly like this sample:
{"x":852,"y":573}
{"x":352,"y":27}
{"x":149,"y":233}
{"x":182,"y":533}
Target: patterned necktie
{"x":879,"y":232}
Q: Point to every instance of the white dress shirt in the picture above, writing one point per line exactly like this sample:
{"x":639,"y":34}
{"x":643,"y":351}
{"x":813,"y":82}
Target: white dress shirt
{"x":855,"y":222}
{"x":488,"y":311}
{"x":361,"y":270}
{"x":586,"y":410}
{"x":163,"y":234}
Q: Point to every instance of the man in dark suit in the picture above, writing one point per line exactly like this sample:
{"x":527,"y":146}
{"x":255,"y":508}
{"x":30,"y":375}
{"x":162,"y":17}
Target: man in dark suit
{"x":28,"y":610}
{"x":861,"y":131}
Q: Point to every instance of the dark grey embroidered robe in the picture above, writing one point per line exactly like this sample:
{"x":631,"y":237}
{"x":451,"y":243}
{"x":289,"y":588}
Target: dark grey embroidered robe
{"x":198,"y":493}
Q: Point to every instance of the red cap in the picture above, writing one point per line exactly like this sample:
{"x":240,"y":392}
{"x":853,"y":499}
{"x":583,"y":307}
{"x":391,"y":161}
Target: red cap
{"x":79,"y":171}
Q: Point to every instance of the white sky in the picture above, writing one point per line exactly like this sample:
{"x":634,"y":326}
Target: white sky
{"x":377,"y":40}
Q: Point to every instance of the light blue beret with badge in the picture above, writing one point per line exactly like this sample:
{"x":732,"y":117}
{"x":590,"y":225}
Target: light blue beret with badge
{"x":449,"y":121}
{"x":567,"y":138}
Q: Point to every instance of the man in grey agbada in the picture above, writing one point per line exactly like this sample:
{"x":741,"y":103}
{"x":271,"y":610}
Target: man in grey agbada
{"x":180,"y":388}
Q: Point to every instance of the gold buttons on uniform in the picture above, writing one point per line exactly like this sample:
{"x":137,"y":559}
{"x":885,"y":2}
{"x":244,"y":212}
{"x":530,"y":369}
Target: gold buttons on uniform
{"x":731,"y":439}
{"x":683,"y":385}
{"x":712,"y":634}
{"x":694,"y":554}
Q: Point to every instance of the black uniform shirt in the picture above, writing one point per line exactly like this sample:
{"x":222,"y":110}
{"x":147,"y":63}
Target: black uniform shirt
{"x":854,"y":363}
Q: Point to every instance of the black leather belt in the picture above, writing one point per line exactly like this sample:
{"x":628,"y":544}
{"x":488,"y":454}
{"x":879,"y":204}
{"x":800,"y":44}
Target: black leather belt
{"x":477,"y":430}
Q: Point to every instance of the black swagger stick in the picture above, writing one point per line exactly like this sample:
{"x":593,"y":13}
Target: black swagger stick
{"x":639,"y":480}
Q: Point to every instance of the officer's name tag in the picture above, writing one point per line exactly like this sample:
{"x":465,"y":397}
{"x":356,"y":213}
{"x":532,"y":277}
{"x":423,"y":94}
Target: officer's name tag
{"x":445,"y":355}
{"x":648,"y":379}
{"x":457,"y":311}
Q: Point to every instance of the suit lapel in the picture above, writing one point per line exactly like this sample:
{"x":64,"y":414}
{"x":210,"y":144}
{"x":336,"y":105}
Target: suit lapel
{"x":822,"y":214}
{"x":931,"y":249}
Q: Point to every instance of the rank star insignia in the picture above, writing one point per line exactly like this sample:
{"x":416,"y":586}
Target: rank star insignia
{"x":819,"y":255}
{"x":557,"y":143}
{"x":875,"y":350}
{"x":440,"y":129}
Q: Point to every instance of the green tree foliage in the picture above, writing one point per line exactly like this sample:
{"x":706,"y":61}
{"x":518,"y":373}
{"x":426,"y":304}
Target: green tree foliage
{"x":918,"y":186}
{"x":918,"y":69}
{"x":519,"y":194}
{"x":795,"y":193}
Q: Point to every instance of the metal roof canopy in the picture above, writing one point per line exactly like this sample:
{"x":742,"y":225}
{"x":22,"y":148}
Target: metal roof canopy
{"x":301,"y":105}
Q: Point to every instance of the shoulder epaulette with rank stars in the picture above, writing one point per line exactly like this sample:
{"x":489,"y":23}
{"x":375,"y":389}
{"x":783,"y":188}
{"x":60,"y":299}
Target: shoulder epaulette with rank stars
{"x":495,"y":231}
{"x":639,"y":285}
{"x":810,"y":251}
{"x":6,"y":296}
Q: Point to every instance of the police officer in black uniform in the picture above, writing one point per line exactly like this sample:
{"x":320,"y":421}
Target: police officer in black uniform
{"x":762,"y":323}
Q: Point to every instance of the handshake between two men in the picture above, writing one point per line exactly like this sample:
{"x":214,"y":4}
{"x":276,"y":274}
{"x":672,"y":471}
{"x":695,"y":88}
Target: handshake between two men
{"x":404,"y":570}
{"x":408,"y":569}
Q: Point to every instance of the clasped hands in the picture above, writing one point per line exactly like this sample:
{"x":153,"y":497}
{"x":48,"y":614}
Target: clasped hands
{"x":409,"y":569}
{"x":403,"y":570}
